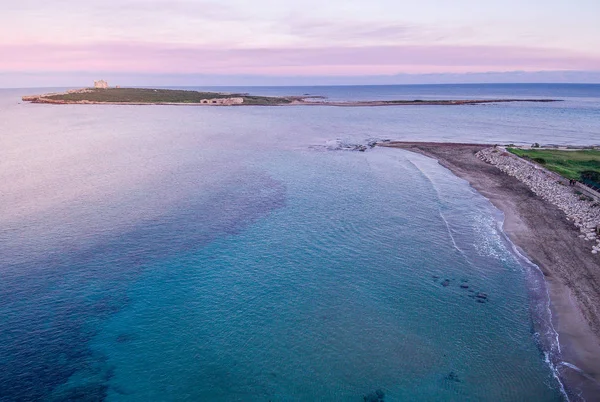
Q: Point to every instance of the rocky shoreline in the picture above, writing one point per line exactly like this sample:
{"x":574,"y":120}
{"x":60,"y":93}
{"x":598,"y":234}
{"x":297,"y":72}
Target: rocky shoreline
{"x":582,"y":210}
{"x":548,"y":236}
{"x":172,"y":97}
{"x":417,"y":102}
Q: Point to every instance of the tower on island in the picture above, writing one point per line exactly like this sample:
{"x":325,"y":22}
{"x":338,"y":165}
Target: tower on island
{"x":100,"y":84}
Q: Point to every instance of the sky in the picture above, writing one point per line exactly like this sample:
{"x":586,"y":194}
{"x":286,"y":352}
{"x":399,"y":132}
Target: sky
{"x":45,"y":42}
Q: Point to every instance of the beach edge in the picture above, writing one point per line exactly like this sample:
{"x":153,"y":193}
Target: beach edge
{"x":540,"y":232}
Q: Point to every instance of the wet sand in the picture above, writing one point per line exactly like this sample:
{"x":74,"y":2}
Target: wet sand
{"x":541,"y":232}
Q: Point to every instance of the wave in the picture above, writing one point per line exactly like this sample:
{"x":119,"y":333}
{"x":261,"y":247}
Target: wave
{"x":546,"y":336}
{"x":548,"y":339}
{"x":444,"y":219}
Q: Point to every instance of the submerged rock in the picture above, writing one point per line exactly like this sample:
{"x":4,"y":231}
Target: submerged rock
{"x":377,"y":396}
{"x":124,"y":338}
{"x":452,"y":376}
{"x":446,"y":283}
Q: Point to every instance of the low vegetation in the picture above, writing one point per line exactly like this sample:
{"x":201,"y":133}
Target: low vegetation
{"x":179,"y":96}
{"x":583,"y":165}
{"x":140,"y":95}
{"x":264,"y":100}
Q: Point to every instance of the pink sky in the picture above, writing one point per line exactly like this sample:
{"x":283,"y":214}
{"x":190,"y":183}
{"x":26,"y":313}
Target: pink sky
{"x":368,"y":60}
{"x":308,"y":38}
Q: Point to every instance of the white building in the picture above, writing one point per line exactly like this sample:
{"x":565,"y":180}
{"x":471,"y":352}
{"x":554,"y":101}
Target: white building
{"x":100,"y":84}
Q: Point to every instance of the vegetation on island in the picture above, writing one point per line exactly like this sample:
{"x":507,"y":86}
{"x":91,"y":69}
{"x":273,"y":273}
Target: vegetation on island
{"x":582,"y":165}
{"x":144,"y":95}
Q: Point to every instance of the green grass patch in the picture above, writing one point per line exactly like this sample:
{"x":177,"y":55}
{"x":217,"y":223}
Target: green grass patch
{"x":577,"y":165}
{"x":264,"y":100}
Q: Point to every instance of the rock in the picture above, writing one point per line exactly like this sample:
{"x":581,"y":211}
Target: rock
{"x":481,"y":295}
{"x":548,"y":186}
{"x":452,"y":376}
{"x":464,"y":286}
{"x":446,"y":283}
{"x":124,"y":338}
{"x":377,"y":396}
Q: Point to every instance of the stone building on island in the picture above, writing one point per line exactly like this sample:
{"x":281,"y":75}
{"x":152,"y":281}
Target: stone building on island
{"x":222,"y":101}
{"x":101,"y":84}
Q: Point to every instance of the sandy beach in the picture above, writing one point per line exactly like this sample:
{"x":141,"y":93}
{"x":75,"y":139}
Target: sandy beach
{"x":541,"y":232}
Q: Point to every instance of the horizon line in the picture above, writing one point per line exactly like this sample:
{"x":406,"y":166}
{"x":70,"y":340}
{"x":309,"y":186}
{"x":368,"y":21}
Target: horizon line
{"x":83,"y":79}
{"x":317,"y":85}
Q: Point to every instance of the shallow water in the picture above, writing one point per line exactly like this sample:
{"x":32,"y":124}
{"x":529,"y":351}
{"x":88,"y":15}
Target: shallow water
{"x":183,"y":253}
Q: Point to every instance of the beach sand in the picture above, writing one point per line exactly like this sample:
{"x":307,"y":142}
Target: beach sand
{"x":541,"y":232}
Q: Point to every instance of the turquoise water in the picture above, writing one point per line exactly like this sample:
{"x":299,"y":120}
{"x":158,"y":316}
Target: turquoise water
{"x":177,"y":253}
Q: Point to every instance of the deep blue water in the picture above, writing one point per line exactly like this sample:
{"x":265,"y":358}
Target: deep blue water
{"x":186,"y":253}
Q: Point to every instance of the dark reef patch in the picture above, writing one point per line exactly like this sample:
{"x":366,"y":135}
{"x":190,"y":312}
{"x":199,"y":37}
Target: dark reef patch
{"x":376,"y":396}
{"x":52,"y":307}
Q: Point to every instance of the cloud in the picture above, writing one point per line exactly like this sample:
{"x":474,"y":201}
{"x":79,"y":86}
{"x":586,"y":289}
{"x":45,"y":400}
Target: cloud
{"x":330,"y":60}
{"x":352,"y":30}
{"x":313,"y":31}
{"x":129,"y":8}
{"x":159,"y":21}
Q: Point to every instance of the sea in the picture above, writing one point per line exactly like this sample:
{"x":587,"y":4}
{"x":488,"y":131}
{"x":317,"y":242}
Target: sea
{"x":172,"y":253}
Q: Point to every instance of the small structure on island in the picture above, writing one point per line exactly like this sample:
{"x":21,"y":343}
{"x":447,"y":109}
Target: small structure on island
{"x":223,"y":101}
{"x":101,"y":84}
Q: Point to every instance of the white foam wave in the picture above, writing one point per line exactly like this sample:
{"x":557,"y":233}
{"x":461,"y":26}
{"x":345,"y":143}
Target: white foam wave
{"x":551,"y":340}
{"x":552,"y":355}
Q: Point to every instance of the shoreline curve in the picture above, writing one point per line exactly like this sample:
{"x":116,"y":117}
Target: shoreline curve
{"x":542,"y":235}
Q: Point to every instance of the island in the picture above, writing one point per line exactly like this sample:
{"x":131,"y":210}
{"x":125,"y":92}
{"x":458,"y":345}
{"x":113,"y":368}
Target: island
{"x":158,"y":96}
{"x":552,"y":216}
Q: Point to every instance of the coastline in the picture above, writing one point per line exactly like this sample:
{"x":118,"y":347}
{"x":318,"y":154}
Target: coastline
{"x":149,"y":96}
{"x":293,"y":102}
{"x":541,"y":233}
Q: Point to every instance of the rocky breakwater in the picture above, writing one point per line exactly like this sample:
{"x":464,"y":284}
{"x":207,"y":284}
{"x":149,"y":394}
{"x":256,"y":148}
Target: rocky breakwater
{"x":583,"y":211}
{"x":342,"y":145}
